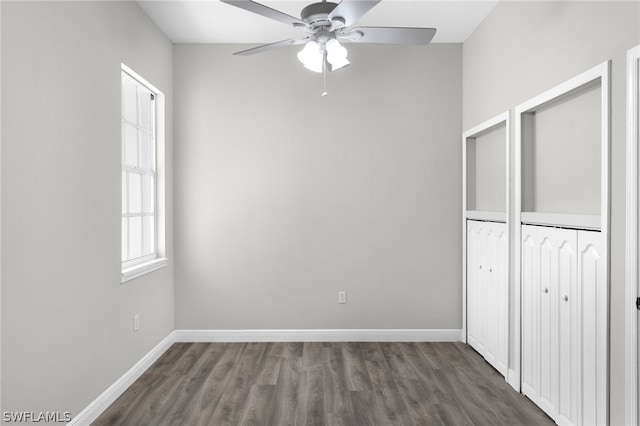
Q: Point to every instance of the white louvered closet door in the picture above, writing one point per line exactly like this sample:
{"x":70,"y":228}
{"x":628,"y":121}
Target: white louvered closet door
{"x":487,"y":292}
{"x":491,"y":293}
{"x":548,"y":272}
{"x":587,"y":402}
{"x":502,"y":297}
{"x":532,"y":294}
{"x":568,"y":325}
{"x":562,"y":331}
{"x":475,"y":244}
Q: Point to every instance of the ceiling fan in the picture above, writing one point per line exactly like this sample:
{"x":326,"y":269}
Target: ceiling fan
{"x":327,"y":25}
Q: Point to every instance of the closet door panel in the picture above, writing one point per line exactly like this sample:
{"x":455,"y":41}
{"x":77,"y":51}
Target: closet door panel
{"x":474,"y":265}
{"x":471,"y":320}
{"x":531,"y":295}
{"x":502,"y":314}
{"x":548,"y":348}
{"x":558,"y":272}
{"x":483,"y":299}
{"x":491,"y":294}
{"x":569,"y":329}
{"x":487,"y":292}
{"x":553,"y":317}
{"x":590,"y":285}
{"x":497,"y":312}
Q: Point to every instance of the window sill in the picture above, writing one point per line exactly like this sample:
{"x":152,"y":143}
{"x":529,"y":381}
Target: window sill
{"x":142,"y":269}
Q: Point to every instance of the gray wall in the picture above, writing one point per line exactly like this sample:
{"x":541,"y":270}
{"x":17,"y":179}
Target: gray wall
{"x":486,"y":174}
{"x":564,"y":156}
{"x":66,"y":320}
{"x":284,"y":197}
{"x":525,"y":48}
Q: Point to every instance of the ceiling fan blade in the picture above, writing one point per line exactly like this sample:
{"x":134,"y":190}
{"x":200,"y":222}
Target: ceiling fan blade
{"x":278,"y":44}
{"x":389,"y":35}
{"x":267,"y":12}
{"x":351,"y":10}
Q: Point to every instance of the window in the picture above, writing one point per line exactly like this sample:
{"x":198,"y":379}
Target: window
{"x":140,"y":225}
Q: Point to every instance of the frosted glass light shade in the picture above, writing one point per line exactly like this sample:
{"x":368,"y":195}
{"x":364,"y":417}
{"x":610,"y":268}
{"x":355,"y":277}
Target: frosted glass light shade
{"x":311,"y":56}
{"x":336,"y":54}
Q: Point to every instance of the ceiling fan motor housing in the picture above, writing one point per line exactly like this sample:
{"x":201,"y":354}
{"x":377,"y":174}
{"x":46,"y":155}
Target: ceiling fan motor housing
{"x":317,"y":14}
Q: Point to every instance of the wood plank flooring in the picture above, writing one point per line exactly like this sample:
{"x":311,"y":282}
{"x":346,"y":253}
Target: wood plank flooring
{"x":321,"y":384}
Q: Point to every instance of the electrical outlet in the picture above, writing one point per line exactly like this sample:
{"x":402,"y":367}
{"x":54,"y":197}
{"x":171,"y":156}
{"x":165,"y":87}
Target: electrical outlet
{"x":342,"y":297}
{"x":136,"y":322}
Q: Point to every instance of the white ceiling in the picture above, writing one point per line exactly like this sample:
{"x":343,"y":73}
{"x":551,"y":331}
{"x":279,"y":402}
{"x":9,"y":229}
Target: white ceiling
{"x":210,"y":21}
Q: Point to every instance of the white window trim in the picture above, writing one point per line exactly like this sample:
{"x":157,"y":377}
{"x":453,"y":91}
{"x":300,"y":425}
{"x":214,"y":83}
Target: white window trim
{"x":136,"y":268}
{"x":143,"y":269}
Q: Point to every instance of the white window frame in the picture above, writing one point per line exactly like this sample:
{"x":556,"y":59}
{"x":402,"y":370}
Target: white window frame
{"x":134,"y":268}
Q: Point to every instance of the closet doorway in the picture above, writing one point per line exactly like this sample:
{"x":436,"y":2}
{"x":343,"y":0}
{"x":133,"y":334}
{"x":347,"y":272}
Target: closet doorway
{"x":562,"y":241}
{"x":485,"y":157}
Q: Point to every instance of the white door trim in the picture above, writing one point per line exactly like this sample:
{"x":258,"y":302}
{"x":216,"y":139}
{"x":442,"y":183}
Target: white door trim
{"x":633,"y":134}
{"x":478,"y":130}
{"x":599,"y":73}
{"x":1,"y":222}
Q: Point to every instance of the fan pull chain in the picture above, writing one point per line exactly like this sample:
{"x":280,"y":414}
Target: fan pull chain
{"x":324,"y":77}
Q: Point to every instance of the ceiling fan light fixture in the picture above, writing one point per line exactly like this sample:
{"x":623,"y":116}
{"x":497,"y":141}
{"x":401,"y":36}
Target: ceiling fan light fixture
{"x":311,"y":56}
{"x":325,"y":23}
{"x":336,"y":54}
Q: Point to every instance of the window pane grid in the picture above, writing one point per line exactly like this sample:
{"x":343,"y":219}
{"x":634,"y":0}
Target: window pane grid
{"x":138,"y":171}
{"x":136,"y":126}
{"x":125,"y":239}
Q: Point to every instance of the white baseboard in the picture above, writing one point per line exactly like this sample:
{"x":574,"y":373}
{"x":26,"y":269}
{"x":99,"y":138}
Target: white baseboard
{"x":102,"y":402}
{"x":513,"y":379}
{"x":366,"y":335}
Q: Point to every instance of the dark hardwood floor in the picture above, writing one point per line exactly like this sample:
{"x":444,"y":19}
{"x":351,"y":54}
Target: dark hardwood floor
{"x":321,"y":384}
